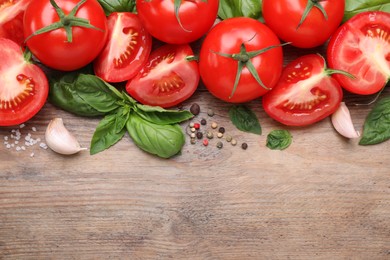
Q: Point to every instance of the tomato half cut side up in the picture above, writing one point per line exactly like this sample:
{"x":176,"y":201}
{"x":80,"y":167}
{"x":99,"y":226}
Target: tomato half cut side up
{"x":305,"y":93}
{"x":167,"y":79}
{"x":23,"y":86}
{"x":11,"y":19}
{"x":361,"y":46}
{"x":127,"y":49}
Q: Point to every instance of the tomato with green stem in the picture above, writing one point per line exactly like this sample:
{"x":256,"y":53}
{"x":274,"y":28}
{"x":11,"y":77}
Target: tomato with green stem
{"x":240,"y":59}
{"x":23,"y":86}
{"x":304,"y":23}
{"x":65,"y":34}
{"x":306,"y":93}
{"x":127,"y":49}
{"x":170,"y":76}
{"x":361,"y":46}
{"x":177,"y":21}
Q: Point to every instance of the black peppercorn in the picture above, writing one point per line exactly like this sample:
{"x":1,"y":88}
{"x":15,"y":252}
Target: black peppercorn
{"x":199,"y":135}
{"x":244,"y":146}
{"x":221,"y":130}
{"x":195,"y":109}
{"x":203,"y":121}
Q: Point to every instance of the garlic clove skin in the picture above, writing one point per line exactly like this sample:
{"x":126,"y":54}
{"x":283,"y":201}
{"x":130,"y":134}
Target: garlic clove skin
{"x":60,"y":140}
{"x":342,"y":122}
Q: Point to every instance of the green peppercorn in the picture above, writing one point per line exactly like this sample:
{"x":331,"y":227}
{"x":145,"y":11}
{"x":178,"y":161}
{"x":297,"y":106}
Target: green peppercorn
{"x":210,"y":135}
{"x":229,"y":138}
{"x":210,"y":112}
{"x":219,"y":145}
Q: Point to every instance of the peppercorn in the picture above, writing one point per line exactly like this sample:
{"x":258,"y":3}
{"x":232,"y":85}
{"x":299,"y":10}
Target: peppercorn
{"x":192,"y":135}
{"x":234,"y":142}
{"x":203,"y":121}
{"x":210,"y":135}
{"x":219,"y":135}
{"x":193,"y":141}
{"x":210,"y":112}
{"x":214,"y":125}
{"x":199,"y":135}
{"x":196,"y":126}
{"x":228,"y":138}
{"x":221,"y":130}
{"x":195,"y":109}
{"x":205,"y":142}
{"x":219,"y":145}
{"x":244,"y":146}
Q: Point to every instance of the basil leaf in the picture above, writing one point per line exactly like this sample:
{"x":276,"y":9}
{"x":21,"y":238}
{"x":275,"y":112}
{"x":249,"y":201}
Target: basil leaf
{"x":121,"y":118}
{"x":376,"y":127}
{"x":64,"y":95}
{"x":161,"y":116}
{"x":245,"y":119}
{"x":353,"y":7}
{"x":97,"y":93}
{"x":279,"y":139}
{"x":237,"y":8}
{"x":161,"y":140}
{"x":111,"y":6}
{"x":106,"y":134}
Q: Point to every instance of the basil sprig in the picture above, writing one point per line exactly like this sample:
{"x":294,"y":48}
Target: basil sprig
{"x":153,"y":129}
{"x":238,"y":8}
{"x":376,"y":127}
{"x":353,"y":7}
{"x":279,"y":139}
{"x":110,"y":6}
{"x":244,"y":119}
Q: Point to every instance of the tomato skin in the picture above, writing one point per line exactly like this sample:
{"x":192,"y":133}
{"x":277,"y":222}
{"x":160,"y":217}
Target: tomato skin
{"x":218,"y":73}
{"x":366,"y":57}
{"x":128,"y":42}
{"x":159,"y":18}
{"x":305,"y":93}
{"x":167,"y":79}
{"x":23,"y":86}
{"x":51,"y":48}
{"x":283,"y":17}
{"x":11,"y":20}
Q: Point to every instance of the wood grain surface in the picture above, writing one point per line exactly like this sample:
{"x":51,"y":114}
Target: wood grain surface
{"x":324,"y":197}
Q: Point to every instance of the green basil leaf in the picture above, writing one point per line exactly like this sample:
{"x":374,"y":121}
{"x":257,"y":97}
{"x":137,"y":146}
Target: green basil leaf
{"x":97,"y":93}
{"x":122,"y":116}
{"x":111,"y":6}
{"x":245,"y":119}
{"x":106,"y":134}
{"x":279,"y":139}
{"x":353,"y":7}
{"x":237,"y":8}
{"x":64,"y":95}
{"x":161,"y":116}
{"x":376,"y":127}
{"x":162,"y":140}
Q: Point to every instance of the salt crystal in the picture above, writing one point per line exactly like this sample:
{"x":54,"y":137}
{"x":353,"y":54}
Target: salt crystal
{"x":31,"y":154}
{"x":6,"y":138}
{"x":22,"y":125}
{"x":18,"y":148}
{"x":23,"y":148}
{"x":8,"y":146}
{"x":34,"y":129}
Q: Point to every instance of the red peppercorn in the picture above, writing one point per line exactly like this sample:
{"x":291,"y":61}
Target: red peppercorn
{"x":197,"y":126}
{"x":205,"y":142}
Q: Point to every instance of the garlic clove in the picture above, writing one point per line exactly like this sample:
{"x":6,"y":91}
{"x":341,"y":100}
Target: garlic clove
{"x":342,"y":122}
{"x":60,"y":140}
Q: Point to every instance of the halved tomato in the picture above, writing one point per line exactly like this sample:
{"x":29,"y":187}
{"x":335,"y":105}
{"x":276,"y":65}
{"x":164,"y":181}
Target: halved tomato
{"x":11,"y":19}
{"x":23,"y":86}
{"x":167,"y":79}
{"x":127,"y":49}
{"x":305,"y":93}
{"x":361,"y":46}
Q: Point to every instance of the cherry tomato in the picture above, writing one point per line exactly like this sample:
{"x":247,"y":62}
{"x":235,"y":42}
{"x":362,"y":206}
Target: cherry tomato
{"x":127,"y":49}
{"x":284,"y":18}
{"x":11,"y":19}
{"x":167,"y":79}
{"x":194,"y":18}
{"x":23,"y":86}
{"x":305,"y":93}
{"x":361,"y":46}
{"x":220,"y":56}
{"x":54,"y":48}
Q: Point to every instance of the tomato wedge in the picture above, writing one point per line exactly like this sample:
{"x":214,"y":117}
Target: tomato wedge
{"x":167,"y":79}
{"x":127,"y":49}
{"x":23,"y":86}
{"x":11,"y":19}
{"x":305,"y":93}
{"x":361,"y":46}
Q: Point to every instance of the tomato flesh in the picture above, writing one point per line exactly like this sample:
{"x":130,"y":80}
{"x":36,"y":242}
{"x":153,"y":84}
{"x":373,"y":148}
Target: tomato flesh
{"x":305,"y":94}
{"x":361,"y":46}
{"x":23,"y":86}
{"x":196,"y":18}
{"x":167,"y":79}
{"x":52,"y":48}
{"x":127,"y":49}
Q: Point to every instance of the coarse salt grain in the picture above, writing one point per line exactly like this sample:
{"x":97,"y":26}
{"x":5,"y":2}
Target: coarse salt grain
{"x":34,"y":129}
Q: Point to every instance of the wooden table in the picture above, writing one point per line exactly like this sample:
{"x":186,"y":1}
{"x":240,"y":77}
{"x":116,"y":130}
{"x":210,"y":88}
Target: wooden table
{"x":324,"y":197}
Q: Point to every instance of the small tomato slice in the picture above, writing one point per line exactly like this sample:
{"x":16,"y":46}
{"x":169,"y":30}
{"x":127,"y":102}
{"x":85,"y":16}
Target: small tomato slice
{"x":23,"y":86}
{"x":167,"y":79}
{"x":305,"y":93}
{"x":361,"y":46}
{"x":11,"y":19}
{"x":127,"y":49}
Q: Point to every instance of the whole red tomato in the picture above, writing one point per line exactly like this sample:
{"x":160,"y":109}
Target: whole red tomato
{"x":23,"y":86}
{"x":177,"y":22}
{"x":305,"y":93}
{"x":235,"y":63}
{"x":11,"y":19}
{"x":288,"y":20}
{"x":361,"y":46}
{"x":61,"y":48}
